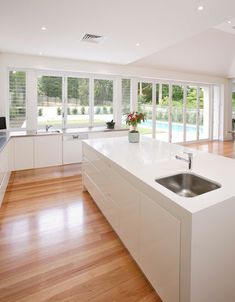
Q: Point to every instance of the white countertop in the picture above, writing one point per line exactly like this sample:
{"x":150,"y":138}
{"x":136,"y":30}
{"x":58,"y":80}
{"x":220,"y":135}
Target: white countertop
{"x":150,"y":159}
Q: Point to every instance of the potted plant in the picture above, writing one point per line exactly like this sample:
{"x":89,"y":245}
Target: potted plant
{"x":133,"y":119}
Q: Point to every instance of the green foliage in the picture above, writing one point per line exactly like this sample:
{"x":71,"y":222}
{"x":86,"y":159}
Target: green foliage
{"x":59,"y":111}
{"x":49,"y":89}
{"x":97,"y":110}
{"x":103,"y":92}
{"x":105,"y":110}
{"x":78,"y":91}
{"x":111,"y":110}
{"x":83,"y":110}
{"x":233,"y":100}
{"x":40,"y":112}
{"x":74,"y":111}
{"x":68,"y":111}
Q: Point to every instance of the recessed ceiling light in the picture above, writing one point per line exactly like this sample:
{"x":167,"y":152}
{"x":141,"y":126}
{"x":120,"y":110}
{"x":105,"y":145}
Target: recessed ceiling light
{"x":200,"y":8}
{"x":229,"y":22}
{"x":43,"y":28}
{"x":137,"y":44}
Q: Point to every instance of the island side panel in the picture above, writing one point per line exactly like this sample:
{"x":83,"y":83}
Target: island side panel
{"x":213,"y":254}
{"x":159,"y":256}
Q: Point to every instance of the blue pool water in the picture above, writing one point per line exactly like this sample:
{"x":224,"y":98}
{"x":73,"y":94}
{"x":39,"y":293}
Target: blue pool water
{"x":175,"y":126}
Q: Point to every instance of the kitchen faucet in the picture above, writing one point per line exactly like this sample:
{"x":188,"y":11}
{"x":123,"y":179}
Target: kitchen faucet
{"x":48,"y":127}
{"x":189,"y":160}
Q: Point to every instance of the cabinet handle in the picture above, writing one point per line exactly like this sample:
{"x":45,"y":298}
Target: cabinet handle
{"x":75,"y":136}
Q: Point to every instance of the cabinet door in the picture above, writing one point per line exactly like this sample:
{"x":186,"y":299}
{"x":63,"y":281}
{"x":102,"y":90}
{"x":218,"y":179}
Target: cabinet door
{"x":128,"y":200}
{"x":23,"y":153}
{"x":47,"y":151}
{"x":72,"y":149}
{"x":160,"y":249}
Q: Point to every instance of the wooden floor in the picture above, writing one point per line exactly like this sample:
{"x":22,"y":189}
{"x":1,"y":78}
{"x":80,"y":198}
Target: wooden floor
{"x":222,"y":148}
{"x":55,"y":244}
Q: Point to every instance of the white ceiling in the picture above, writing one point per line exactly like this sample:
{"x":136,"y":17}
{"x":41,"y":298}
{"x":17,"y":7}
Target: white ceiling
{"x":227,"y":26}
{"x":155,"y":24}
{"x":170,"y":32}
{"x":210,"y":52}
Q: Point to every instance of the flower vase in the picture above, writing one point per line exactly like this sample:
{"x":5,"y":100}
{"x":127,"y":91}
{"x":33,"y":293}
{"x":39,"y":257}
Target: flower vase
{"x":133,"y":135}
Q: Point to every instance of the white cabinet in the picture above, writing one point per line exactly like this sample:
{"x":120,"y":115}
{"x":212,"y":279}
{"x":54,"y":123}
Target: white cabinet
{"x":23,"y":153}
{"x":47,"y":151}
{"x":160,"y":249}
{"x":150,"y":233}
{"x":72,"y":148}
{"x":4,"y":172}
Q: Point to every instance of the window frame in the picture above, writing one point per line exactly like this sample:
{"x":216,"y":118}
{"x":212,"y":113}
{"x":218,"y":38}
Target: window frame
{"x":11,"y":69}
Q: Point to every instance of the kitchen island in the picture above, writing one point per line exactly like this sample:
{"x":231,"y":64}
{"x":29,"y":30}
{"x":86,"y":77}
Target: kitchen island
{"x":184,"y":246}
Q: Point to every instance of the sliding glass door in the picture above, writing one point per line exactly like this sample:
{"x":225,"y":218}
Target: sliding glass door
{"x":182,"y":112}
{"x":162,"y":112}
{"x":177,"y":114}
{"x":145,"y":106}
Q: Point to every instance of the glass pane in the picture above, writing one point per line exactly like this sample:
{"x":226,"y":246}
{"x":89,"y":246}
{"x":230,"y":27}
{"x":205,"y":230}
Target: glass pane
{"x":216,"y":110}
{"x":50,"y":101}
{"x":103,"y":101}
{"x":145,"y":106}
{"x":204,"y":113}
{"x":17,"y":99}
{"x":78,"y":102}
{"x":126,"y":99}
{"x":177,"y":114}
{"x":233,"y":110}
{"x":191,"y":113}
{"x":162,"y":113}
{"x":233,"y":104}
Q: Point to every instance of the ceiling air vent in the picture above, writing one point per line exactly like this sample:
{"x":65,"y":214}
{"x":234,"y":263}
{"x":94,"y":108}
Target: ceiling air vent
{"x":92,"y":38}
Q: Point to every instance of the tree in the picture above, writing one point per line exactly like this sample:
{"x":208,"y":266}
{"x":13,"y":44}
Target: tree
{"x":50,"y":87}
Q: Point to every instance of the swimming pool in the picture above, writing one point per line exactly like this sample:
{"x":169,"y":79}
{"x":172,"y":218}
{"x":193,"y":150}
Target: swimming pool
{"x":163,"y":126}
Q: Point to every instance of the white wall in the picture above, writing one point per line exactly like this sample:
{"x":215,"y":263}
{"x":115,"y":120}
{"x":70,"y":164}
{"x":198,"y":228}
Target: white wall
{"x":45,"y":63}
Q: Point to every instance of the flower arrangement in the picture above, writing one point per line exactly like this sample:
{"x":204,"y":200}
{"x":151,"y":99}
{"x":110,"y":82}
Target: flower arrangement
{"x":133,"y":119}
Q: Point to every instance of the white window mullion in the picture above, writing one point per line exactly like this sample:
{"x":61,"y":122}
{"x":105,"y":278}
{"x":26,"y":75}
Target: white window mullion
{"x":184,"y":112}
{"x":91,"y":101}
{"x":198,"y":111}
{"x":117,"y":101}
{"x":64,"y":102}
{"x":154,"y":114}
{"x":134,"y":94}
{"x":170,"y":114}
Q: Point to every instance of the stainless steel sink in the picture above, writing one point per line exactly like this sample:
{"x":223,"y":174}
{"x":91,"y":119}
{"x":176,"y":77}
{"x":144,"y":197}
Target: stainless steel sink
{"x":187,"y":184}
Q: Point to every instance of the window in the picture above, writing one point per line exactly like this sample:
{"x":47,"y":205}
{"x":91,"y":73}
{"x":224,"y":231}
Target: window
{"x":103,"y":101}
{"x":50,"y":110}
{"x":77,"y":102}
{"x":191,"y":113}
{"x":162,"y":112}
{"x":17,"y":99}
{"x":177,"y":113}
{"x":145,"y":106}
{"x":204,"y":113}
{"x":126,"y":98}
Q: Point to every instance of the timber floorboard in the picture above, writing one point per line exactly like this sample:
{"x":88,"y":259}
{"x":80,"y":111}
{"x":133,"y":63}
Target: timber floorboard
{"x":55,"y":244}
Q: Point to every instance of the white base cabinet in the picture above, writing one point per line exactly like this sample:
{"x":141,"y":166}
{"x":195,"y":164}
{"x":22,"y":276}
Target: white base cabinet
{"x":160,"y":248}
{"x":23,"y":153}
{"x":5,"y":169}
{"x":47,"y":151}
{"x":72,"y":148}
{"x":150,"y":233}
